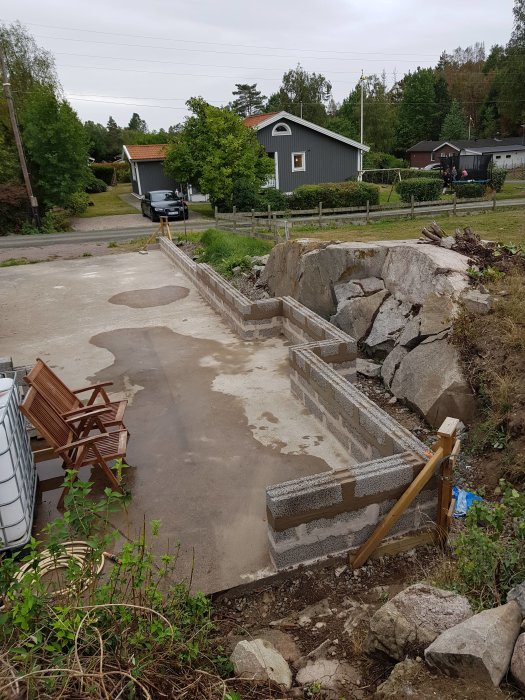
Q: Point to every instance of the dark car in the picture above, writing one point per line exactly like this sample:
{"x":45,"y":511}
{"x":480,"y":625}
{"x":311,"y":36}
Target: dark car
{"x":163,"y":203}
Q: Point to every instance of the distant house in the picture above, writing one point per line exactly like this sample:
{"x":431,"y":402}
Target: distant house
{"x":505,"y":152}
{"x":305,"y":153}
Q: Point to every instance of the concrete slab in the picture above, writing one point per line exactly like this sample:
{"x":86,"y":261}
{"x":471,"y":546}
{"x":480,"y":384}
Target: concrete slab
{"x":212,"y":419}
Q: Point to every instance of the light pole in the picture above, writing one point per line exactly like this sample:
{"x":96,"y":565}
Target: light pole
{"x":362,"y":80}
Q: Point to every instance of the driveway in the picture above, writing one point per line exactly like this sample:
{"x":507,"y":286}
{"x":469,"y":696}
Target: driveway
{"x":212,"y":418}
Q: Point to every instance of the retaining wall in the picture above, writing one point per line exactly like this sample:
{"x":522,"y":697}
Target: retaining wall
{"x":335,"y":511}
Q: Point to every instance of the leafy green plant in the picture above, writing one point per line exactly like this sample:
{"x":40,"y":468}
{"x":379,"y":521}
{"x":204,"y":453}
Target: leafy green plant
{"x":224,"y":251}
{"x":490,"y":550}
{"x":469,"y":190}
{"x":423,"y":189}
{"x":336,"y":194}
{"x":497,"y":178}
{"x":77,"y":203}
{"x":113,"y":244}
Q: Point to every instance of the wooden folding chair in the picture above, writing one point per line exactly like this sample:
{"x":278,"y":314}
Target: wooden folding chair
{"x":99,"y":449}
{"x":66,"y":402}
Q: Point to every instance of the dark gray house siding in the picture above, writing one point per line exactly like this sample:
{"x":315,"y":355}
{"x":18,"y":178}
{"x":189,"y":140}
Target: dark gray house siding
{"x":326,"y":159}
{"x":152,"y":177}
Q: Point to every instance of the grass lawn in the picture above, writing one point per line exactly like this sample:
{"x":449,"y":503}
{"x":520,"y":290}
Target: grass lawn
{"x":511,"y":190}
{"x":202,"y":209}
{"x":109,"y":203}
{"x":505,"y":225}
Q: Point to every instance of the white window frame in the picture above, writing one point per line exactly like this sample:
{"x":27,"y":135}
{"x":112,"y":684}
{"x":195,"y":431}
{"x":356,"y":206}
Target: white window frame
{"x":303,"y":168}
{"x":288,"y":131}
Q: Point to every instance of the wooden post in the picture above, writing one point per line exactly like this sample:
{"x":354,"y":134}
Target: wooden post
{"x":286,"y":231}
{"x":454,"y":203}
{"x":253,"y":221}
{"x":234,"y":218}
{"x":446,"y":442}
{"x":320,"y":214}
{"x":269,"y":217}
{"x":216,"y":215}
{"x":367,"y":211}
{"x":493,"y":200}
{"x":412,"y":205}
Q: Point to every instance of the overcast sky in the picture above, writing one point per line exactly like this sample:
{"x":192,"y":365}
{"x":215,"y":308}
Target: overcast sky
{"x":150,"y":56}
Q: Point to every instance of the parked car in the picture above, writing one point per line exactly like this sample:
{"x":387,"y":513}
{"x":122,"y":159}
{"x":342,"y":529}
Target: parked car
{"x":163,"y":203}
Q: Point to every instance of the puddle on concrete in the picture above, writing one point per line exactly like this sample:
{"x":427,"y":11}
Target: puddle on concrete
{"x":197,"y":465}
{"x":147,"y":298}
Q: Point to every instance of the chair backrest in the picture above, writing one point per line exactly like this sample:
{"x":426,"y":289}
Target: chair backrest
{"x":52,"y":388}
{"x":46,"y":420}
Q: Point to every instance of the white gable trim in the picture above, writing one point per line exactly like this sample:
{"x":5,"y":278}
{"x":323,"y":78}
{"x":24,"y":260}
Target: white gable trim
{"x":309,"y":125}
{"x":446,"y":143}
{"x":126,"y":153}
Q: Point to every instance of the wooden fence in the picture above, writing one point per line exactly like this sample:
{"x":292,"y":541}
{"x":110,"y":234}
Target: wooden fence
{"x":277,"y":225}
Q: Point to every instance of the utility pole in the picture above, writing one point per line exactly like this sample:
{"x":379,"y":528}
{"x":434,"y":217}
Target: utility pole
{"x":33,"y":203}
{"x":362,"y":80}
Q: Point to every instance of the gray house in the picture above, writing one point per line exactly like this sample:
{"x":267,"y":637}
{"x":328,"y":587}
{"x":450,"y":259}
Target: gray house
{"x":147,"y":168}
{"x":305,"y":153}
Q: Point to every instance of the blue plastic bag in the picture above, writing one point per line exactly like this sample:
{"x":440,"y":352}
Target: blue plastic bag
{"x":464,"y":500}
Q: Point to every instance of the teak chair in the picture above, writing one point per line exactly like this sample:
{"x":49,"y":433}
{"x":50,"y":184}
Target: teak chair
{"x":94,"y":450}
{"x":66,"y":402}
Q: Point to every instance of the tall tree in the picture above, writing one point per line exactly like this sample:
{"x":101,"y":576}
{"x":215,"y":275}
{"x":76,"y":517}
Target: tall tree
{"x":416,"y":109}
{"x":454,"y":125}
{"x":302,"y":93}
{"x":137,"y":124}
{"x":115,"y":140}
{"x":249,"y":100}
{"x":511,"y":79}
{"x":56,"y":146}
{"x":215,"y":151}
{"x":97,"y":138}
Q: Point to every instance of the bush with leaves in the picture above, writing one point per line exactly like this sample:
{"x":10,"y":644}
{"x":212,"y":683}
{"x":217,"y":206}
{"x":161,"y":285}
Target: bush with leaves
{"x":490,"y":550}
{"x":423,"y":189}
{"x":103,"y":171}
{"x":276,"y":199}
{"x":77,"y":203}
{"x":95,"y":185}
{"x":333,"y":195}
{"x":56,"y":220}
{"x":497,"y":178}
{"x":14,"y":209}
{"x":469,"y":190}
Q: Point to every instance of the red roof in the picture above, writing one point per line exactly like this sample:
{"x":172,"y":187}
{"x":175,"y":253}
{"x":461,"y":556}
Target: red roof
{"x":150,"y":151}
{"x":258,"y":118}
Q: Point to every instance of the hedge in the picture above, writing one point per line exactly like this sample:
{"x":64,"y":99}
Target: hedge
{"x":95,"y":184}
{"x":387,"y":177}
{"x":103,"y":171}
{"x":469,"y":190}
{"x":423,"y":189}
{"x":497,"y":178}
{"x":14,"y":209}
{"x":333,"y":195}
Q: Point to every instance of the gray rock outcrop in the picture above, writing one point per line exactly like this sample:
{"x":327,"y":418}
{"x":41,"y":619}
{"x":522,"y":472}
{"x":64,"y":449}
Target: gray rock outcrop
{"x":388,"y":324}
{"x":413,"y":619}
{"x":257,"y":659}
{"x":356,"y":316}
{"x":480,"y":647}
{"x":331,"y":675}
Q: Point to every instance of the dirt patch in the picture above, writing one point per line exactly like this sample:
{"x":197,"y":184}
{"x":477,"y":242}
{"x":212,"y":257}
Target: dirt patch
{"x":147,"y":298}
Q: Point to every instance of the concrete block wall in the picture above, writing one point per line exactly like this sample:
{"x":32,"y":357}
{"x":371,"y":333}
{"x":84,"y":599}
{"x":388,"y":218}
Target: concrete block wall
{"x":333,"y":512}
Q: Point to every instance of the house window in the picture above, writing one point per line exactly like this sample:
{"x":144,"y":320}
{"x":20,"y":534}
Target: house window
{"x":507,"y":156}
{"x":498,"y":157}
{"x":298,"y":162}
{"x":281,"y":129}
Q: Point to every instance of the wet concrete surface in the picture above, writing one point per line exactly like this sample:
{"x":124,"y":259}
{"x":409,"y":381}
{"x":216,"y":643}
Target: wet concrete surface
{"x":212,"y":419}
{"x":144,"y":298}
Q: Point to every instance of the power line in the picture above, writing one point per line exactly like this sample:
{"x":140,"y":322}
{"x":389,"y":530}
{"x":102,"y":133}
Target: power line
{"x":217,"y":43}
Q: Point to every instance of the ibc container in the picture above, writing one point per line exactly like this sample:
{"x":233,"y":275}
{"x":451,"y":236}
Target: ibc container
{"x":17,"y":471}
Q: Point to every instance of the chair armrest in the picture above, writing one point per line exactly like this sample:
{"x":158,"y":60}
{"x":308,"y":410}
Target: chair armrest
{"x":87,"y":440}
{"x":85,"y":411}
{"x":91,"y":387}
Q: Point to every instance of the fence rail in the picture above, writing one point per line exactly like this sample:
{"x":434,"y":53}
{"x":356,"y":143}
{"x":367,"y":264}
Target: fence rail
{"x":277,"y":224}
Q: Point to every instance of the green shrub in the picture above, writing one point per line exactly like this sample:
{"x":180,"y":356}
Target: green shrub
{"x":381,"y":162}
{"x":224,"y":251}
{"x":103,"y":171}
{"x":497,"y":178}
{"x":469,"y":190}
{"x":490,"y":550}
{"x":423,"y":189}
{"x":275,"y":198}
{"x":333,"y":195}
{"x":56,"y":220}
{"x":14,"y":209}
{"x":244,"y":195}
{"x":123,"y":171}
{"x":411,"y":173}
{"x":95,"y":185}
{"x":77,"y":203}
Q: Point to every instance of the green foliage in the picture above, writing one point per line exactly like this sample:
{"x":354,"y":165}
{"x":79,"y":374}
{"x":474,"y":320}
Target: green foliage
{"x":214,"y":151}
{"x":469,"y":190}
{"x":417,"y":109}
{"x":490,"y":550}
{"x":332,"y":195}
{"x":277,"y":200}
{"x":311,"y":90}
{"x":123,"y":171}
{"x":497,"y":178}
{"x":454,"y":125}
{"x":248,"y":100}
{"x":103,"y":171}
{"x":56,"y":147}
{"x":14,"y":209}
{"x":226,"y":251}
{"x":55,"y":220}
{"x":411,"y":173}
{"x":77,"y":203}
{"x":137,"y":124}
{"x":94,"y":184}
{"x":134,"y":616}
{"x":423,"y":189}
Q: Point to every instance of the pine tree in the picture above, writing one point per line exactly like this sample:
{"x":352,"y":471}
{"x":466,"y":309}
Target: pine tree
{"x":454,"y":124}
{"x":249,"y":100}
{"x":137,"y":124}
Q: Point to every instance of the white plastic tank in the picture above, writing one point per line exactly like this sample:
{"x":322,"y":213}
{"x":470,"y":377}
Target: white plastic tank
{"x":17,"y":471}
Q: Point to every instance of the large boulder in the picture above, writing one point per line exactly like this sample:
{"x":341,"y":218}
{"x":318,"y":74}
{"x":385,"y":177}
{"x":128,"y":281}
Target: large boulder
{"x":257,"y":659}
{"x":388,"y":324}
{"x":481,"y":647}
{"x":430,"y":379}
{"x":413,"y":619}
{"x":356,"y":316}
{"x":517,"y":663}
